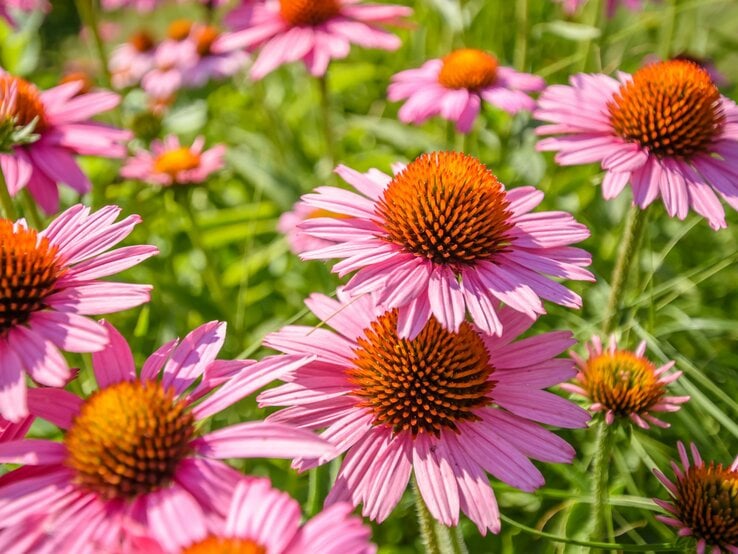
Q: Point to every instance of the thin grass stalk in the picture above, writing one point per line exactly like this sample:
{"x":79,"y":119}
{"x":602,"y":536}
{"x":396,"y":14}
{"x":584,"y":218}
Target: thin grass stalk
{"x":6,"y":202}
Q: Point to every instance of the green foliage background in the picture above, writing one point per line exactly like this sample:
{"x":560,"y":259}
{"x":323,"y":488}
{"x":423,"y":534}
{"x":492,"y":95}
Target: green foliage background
{"x":683,"y":296}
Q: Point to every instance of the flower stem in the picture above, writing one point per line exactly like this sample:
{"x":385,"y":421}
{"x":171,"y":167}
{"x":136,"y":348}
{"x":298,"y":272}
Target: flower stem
{"x":627,"y":253}
{"x":5,"y":200}
{"x":30,"y":210}
{"x":316,"y":481}
{"x":425,"y":523}
{"x":88,"y":13}
{"x":331,"y":145}
{"x":521,"y":34}
{"x":601,"y":481}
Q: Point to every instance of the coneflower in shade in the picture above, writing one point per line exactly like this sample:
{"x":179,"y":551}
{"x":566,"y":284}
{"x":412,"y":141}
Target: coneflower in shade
{"x":209,"y":64}
{"x":169,"y":163}
{"x":447,"y":406}
{"x":455,"y":86}
{"x":443,"y":237}
{"x":704,"y":502}
{"x":50,"y":281}
{"x":130,"y":61}
{"x":666,"y":130}
{"x":625,"y":384}
{"x":262,"y":520}
{"x":133,"y":457}
{"x":314,"y":31}
{"x":41,"y":132}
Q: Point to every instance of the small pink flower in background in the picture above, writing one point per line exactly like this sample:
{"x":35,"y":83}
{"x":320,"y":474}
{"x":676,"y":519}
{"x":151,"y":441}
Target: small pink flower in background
{"x":666,"y":130}
{"x":141,"y":5}
{"x":313,"y":31}
{"x":625,"y":384}
{"x":147,"y":469}
{"x":704,"y":503}
{"x":41,"y":132}
{"x":172,"y":57}
{"x":170,"y":163}
{"x":455,"y":86}
{"x":130,"y":61}
{"x":50,"y":281}
{"x":449,"y":407}
{"x":289,"y":224}
{"x":7,"y":7}
{"x":611,"y":6}
{"x":261,"y":519}
{"x":210,"y":64}
{"x":444,"y":237}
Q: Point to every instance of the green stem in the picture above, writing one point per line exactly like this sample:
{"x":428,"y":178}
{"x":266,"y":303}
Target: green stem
{"x":316,"y":480}
{"x":593,"y":20}
{"x":627,"y":253}
{"x":88,"y":13}
{"x":30,"y":210}
{"x":458,"y":546}
{"x":659,"y":547}
{"x":601,"y":480}
{"x":5,"y":200}
{"x":425,"y":523}
{"x":521,"y":34}
{"x":331,"y":145}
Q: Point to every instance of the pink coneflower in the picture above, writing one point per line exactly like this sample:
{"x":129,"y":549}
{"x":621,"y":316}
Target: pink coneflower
{"x":172,"y":57}
{"x":666,"y":129}
{"x":170,"y":163}
{"x":625,"y":384}
{"x":133,"y":457}
{"x":443,"y":237}
{"x":314,"y":31}
{"x":8,"y":6}
{"x":130,"y":61}
{"x":455,"y":86}
{"x":49,"y":282}
{"x":448,"y":406}
{"x":263,"y":520}
{"x":289,"y":224}
{"x":704,"y":502}
{"x":42,"y":131}
{"x":10,"y":431}
{"x":210,"y":64}
{"x":611,"y":6}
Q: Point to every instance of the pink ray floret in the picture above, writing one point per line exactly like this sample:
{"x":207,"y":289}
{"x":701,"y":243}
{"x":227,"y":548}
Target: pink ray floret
{"x":286,"y":31}
{"x":66,"y":501}
{"x":475,"y":267}
{"x":488,"y":424}
{"x":51,"y":281}
{"x":571,"y":6}
{"x":687,"y":158}
{"x":474,"y":76}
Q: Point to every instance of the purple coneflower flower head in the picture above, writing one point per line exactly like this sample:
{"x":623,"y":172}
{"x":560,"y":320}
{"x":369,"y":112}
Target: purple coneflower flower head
{"x":666,"y":130}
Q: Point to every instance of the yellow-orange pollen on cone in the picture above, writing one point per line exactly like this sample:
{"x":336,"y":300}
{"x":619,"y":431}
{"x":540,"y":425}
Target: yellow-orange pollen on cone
{"x":128,"y":439}
{"x":671,"y":108}
{"x":447,"y":207}
{"x":622,"y":382}
{"x":26,"y":107}
{"x":142,"y":41}
{"x":29,"y":269}
{"x":204,"y":39}
{"x":308,"y":12}
{"x":225,"y":545}
{"x":707,"y":502}
{"x":172,"y":162}
{"x":468,"y":68}
{"x":424,"y":385}
{"x":179,"y":29}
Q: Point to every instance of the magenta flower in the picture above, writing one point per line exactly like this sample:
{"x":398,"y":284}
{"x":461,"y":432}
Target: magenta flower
{"x":314,"y":31}
{"x":455,"y":86}
{"x":40,"y":132}
{"x":666,"y":130}
{"x":133,"y":459}
{"x":130,"y":61}
{"x":169,"y":163}
{"x":443,"y":237}
{"x":704,"y":502}
{"x":448,"y":406}
{"x":50,"y":281}
{"x":261,"y":519}
{"x":625,"y":384}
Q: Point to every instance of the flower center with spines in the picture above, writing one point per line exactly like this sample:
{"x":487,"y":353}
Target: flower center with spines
{"x":447,"y":207}
{"x":707,"y":502}
{"x":468,"y":68}
{"x":223,"y":545}
{"x":172,"y":162}
{"x":622,"y":382}
{"x":308,"y":12}
{"x":24,"y":106}
{"x":670,"y":108}
{"x":129,"y":439}
{"x":423,"y":385}
{"x":29,"y":269}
